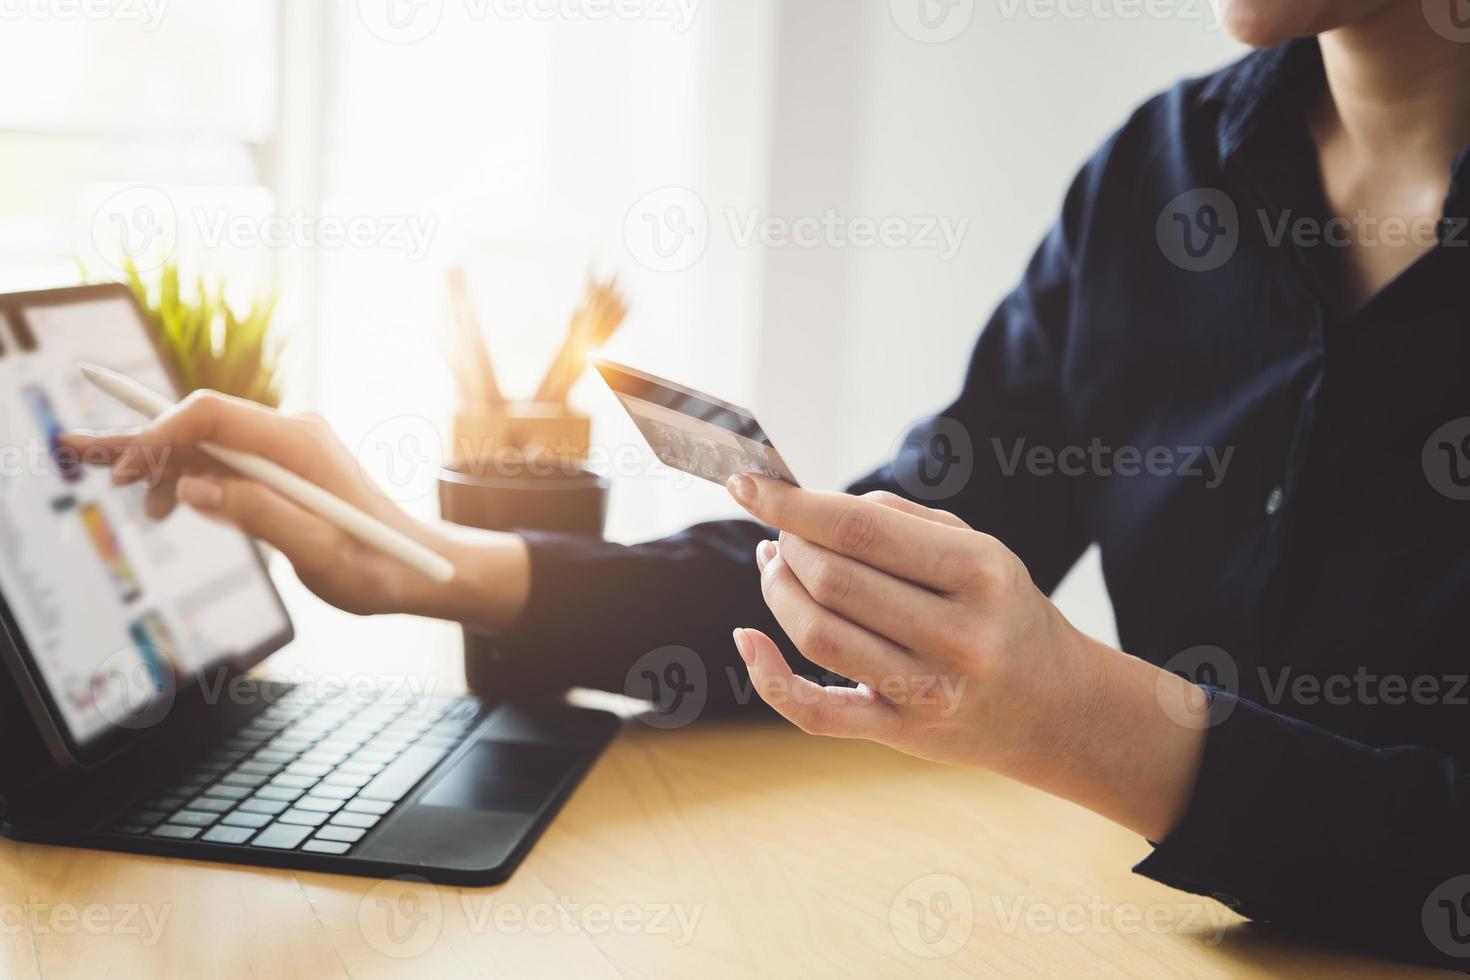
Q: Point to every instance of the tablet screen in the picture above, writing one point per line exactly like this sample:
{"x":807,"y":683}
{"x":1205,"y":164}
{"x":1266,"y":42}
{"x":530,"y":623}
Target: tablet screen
{"x":114,"y":609}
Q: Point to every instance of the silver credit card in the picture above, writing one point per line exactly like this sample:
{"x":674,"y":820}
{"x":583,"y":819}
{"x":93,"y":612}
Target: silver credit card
{"x":691,"y":431}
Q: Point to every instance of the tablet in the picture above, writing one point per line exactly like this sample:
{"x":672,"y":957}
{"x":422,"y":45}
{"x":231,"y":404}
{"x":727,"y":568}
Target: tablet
{"x":107,"y":614}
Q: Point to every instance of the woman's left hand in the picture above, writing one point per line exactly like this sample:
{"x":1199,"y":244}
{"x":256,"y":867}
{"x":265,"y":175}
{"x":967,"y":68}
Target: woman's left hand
{"x":958,"y":656}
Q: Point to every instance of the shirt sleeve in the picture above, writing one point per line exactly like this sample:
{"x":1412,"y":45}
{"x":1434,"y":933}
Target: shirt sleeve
{"x":1294,"y":825}
{"x":596,"y":608}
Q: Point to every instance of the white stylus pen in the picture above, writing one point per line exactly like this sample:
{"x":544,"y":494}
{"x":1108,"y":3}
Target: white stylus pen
{"x":325,"y":505}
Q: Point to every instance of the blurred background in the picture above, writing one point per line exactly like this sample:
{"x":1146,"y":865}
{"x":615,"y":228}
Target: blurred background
{"x":811,"y":206}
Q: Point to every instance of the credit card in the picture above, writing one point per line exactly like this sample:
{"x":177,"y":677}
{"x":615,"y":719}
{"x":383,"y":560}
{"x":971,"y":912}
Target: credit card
{"x":691,"y":431}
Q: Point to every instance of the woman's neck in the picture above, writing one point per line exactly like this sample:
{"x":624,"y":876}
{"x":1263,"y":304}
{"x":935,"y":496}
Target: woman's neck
{"x":1398,"y":92}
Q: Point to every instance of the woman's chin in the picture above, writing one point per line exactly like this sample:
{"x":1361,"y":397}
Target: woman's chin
{"x":1266,"y":23}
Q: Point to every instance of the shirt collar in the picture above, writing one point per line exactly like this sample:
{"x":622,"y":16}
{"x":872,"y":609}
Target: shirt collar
{"x":1267,"y":89}
{"x":1260,"y":96}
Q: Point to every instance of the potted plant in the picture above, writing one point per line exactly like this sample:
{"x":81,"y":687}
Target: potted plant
{"x":208,"y":343}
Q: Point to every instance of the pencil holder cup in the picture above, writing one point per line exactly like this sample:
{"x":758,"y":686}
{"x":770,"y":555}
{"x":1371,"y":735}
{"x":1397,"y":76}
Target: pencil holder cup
{"x":526,"y":430}
{"x":532,"y":481}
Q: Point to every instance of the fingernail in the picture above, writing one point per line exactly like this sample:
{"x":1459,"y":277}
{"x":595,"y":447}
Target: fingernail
{"x":742,"y":646}
{"x":742,"y":488}
{"x":201,"y":492}
{"x":764,"y":552}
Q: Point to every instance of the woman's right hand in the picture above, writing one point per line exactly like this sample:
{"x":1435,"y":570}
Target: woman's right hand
{"x":492,"y":571}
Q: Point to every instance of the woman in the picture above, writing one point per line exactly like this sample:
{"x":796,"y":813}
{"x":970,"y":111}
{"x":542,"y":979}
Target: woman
{"x":1223,"y":284}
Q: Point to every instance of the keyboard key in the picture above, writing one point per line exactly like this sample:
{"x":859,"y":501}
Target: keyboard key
{"x":294,"y":780}
{"x":212,"y":804}
{"x":325,"y":757}
{"x":305,"y":818}
{"x":252,"y":820}
{"x":345,"y":818}
{"x":390,"y":745}
{"x":223,"y":792}
{"x":315,"y":770}
{"x":193,"y":818}
{"x":249,"y":780}
{"x":292,"y":747}
{"x":228,"y":835}
{"x":271,"y":807}
{"x":280,"y":836}
{"x":326,"y":847}
{"x":147,"y":817}
{"x":175,"y":832}
{"x":273,"y":755}
{"x":376,"y":807}
{"x":393,"y":783}
{"x":259,"y":768}
{"x":366,"y":768}
{"x":334,"y":791}
{"x":130,"y":828}
{"x":350,"y":835}
{"x":167,"y":803}
{"x":319,"y":804}
{"x":287,"y":793}
{"x":186,"y":788}
{"x":348,"y":779}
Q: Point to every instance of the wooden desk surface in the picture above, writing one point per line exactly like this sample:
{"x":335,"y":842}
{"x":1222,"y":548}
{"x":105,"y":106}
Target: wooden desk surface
{"x":721,"y":850}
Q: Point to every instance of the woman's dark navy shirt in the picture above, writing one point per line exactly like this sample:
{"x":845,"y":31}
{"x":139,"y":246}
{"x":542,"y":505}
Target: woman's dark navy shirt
{"x":1314,"y":571}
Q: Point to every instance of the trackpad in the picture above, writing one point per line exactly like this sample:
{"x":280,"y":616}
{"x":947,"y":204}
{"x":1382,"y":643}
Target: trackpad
{"x":507,"y":777}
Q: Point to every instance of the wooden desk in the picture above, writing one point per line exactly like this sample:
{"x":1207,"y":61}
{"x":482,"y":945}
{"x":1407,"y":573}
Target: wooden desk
{"x":722,"y":850}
